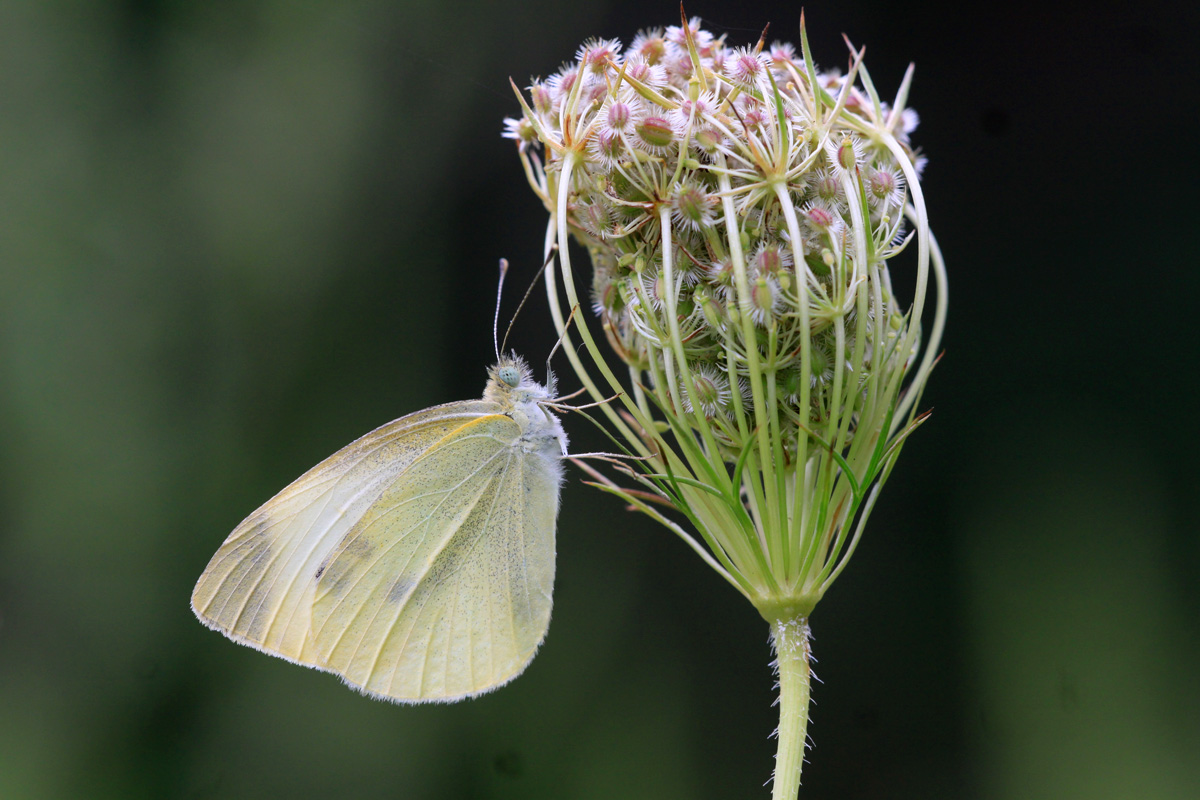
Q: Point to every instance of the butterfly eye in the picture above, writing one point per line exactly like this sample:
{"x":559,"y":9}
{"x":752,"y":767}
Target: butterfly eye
{"x":510,"y":375}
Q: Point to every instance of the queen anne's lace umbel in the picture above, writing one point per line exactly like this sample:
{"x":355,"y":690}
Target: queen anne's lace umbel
{"x":740,"y":209}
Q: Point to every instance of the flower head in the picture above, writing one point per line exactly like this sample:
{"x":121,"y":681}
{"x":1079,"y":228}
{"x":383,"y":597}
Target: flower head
{"x":746,"y":68}
{"x":692,"y":206}
{"x":741,"y":209}
{"x":597,"y":55}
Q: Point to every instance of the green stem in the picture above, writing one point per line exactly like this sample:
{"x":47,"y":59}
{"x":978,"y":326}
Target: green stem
{"x":790,"y":638}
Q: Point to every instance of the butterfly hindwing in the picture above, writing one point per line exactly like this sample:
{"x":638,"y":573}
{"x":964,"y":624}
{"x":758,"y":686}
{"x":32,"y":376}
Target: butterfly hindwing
{"x":442,"y":589}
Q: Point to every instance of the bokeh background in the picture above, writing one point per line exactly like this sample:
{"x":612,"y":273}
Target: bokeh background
{"x":235,"y":236}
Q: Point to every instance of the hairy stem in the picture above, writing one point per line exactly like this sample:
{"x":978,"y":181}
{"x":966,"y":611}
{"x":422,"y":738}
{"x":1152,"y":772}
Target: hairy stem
{"x":790,"y":639}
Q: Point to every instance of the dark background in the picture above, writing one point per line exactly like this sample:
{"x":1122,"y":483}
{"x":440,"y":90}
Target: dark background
{"x":235,"y":236}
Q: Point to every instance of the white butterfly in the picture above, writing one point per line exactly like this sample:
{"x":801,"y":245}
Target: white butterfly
{"x":417,"y":562}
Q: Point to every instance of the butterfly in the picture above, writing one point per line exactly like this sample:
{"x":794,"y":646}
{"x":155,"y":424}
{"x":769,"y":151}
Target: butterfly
{"x":417,"y":563}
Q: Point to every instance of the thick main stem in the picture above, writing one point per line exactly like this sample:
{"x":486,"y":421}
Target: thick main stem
{"x":790,"y":638}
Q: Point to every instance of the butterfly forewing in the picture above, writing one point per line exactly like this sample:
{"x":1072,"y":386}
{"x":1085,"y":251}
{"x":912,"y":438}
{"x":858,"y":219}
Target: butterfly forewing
{"x":258,"y":587}
{"x":443,"y":589}
{"x":418,"y":561}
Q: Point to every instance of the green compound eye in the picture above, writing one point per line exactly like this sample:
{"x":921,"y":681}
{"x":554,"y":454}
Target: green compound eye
{"x":510,"y":375}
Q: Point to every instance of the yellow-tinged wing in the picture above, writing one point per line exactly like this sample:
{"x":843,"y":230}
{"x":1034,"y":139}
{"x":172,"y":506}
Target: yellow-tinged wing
{"x":259,"y":586}
{"x":442,"y":589}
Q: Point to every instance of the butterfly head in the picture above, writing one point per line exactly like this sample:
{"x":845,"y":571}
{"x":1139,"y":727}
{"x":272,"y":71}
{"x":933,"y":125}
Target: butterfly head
{"x":511,"y":383}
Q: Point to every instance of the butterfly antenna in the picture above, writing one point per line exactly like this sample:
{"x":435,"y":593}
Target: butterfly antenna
{"x":561,"y":336}
{"x":529,"y":291}
{"x":496,"y":317}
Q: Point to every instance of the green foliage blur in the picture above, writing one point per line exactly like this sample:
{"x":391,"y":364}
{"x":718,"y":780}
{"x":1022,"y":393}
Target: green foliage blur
{"x":235,"y":236}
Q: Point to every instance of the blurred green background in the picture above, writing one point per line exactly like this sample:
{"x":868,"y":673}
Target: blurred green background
{"x":235,"y":236}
